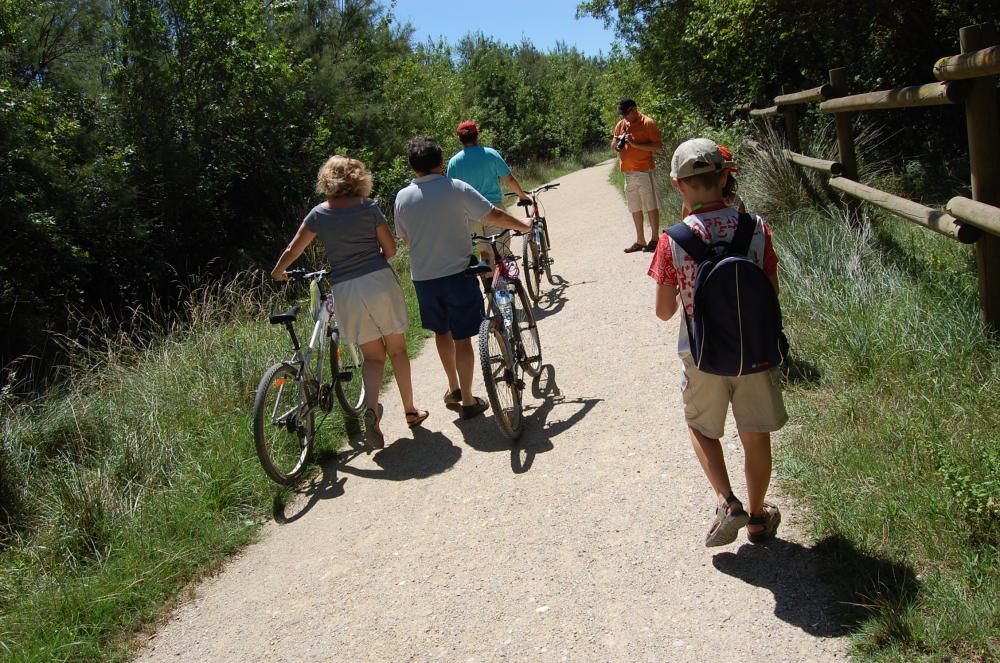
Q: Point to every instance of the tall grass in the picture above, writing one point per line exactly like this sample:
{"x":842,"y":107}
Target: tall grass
{"x":893,"y":387}
{"x":138,"y":476}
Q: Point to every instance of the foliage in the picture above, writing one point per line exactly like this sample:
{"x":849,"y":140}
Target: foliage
{"x":143,"y":142}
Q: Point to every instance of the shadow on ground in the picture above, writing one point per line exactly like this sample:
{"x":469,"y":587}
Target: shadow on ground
{"x":553,"y":298}
{"x":482,"y":433}
{"x":828,"y":590}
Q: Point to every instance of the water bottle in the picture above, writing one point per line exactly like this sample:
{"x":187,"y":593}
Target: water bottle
{"x":502,"y":298}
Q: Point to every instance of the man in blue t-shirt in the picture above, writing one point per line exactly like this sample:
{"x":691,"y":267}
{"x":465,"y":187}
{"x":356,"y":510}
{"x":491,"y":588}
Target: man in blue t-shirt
{"x":483,"y":168}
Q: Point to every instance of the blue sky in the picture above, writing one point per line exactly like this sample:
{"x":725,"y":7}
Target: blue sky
{"x":543,"y":22}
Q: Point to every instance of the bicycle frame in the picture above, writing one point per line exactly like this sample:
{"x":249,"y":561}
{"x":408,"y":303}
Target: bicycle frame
{"x":324,"y":319}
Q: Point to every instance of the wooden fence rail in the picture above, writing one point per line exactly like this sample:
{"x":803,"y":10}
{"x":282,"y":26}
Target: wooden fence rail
{"x":968,"y":78}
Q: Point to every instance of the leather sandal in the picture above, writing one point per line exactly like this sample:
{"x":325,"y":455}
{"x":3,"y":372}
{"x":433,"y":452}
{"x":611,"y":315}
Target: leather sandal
{"x":415,"y":418}
{"x":770,"y":519}
{"x":728,"y":521}
{"x":635,"y":248}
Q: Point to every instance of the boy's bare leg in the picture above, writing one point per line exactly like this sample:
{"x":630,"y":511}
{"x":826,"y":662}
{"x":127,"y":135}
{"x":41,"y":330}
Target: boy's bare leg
{"x":709,"y":452}
{"x":637,"y":220}
{"x":757,"y":450}
{"x":446,"y":351}
{"x":465,"y":362}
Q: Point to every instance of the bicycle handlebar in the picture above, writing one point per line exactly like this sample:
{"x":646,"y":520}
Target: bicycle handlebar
{"x":495,"y":237}
{"x":301,"y":274}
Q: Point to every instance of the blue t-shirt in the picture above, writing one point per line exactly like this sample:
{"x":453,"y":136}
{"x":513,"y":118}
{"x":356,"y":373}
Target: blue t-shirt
{"x":480,"y":167}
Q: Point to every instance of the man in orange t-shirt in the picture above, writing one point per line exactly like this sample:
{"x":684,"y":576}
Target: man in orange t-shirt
{"x":636,"y":139}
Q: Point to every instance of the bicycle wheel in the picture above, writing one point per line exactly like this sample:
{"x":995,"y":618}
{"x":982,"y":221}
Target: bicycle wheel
{"x":503,"y":387}
{"x":284,"y":425}
{"x":531,"y":268}
{"x":346,"y":363}
{"x":543,"y":257}
{"x":527,"y":332}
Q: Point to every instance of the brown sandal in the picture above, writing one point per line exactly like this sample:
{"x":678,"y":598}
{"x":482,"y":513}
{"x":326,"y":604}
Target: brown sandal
{"x":414,"y":419}
{"x":635,"y":248}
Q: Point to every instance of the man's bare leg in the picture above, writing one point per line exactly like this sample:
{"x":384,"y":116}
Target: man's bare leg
{"x":637,"y":220}
{"x":757,"y":451}
{"x":465,"y":362}
{"x":713,"y":463}
{"x":654,"y":224}
{"x":446,"y":351}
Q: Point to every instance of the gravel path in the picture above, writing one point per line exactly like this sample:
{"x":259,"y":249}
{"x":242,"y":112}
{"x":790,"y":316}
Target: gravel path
{"x":584,"y":545}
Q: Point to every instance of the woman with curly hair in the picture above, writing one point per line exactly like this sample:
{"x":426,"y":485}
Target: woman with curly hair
{"x":371,"y":310}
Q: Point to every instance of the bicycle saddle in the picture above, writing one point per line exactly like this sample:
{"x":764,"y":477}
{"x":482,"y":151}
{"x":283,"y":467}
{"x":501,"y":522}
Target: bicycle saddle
{"x":286,"y":317}
{"x":481,"y":267}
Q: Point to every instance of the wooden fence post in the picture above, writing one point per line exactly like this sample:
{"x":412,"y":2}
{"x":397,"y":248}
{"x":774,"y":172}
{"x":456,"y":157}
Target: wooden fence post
{"x":845,"y":136}
{"x":791,"y":115}
{"x":984,"y":146}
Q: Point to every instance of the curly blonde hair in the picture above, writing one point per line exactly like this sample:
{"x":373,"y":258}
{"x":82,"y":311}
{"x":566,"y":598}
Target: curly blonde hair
{"x":343,"y":177}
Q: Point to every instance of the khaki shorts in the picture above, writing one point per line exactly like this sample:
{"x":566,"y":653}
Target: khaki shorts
{"x":480,"y":228}
{"x":370,"y":306}
{"x":757,"y":403}
{"x":640,"y":191}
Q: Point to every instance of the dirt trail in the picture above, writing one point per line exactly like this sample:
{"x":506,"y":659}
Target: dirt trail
{"x":584,"y":545}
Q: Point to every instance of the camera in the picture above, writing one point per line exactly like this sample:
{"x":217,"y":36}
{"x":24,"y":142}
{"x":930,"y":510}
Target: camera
{"x":622,"y":141}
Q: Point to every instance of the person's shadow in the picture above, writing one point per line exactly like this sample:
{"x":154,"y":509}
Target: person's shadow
{"x":827,"y":590}
{"x":426,"y":454}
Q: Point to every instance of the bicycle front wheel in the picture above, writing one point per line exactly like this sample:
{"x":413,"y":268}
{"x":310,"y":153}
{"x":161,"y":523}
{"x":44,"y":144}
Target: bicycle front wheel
{"x":530,"y":355}
{"x":346,"y":371}
{"x":503,"y":386}
{"x":530,"y":267}
{"x":284,"y":425}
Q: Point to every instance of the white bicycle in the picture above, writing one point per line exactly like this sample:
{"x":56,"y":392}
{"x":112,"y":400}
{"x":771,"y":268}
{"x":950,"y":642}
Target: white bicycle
{"x":291,"y":392}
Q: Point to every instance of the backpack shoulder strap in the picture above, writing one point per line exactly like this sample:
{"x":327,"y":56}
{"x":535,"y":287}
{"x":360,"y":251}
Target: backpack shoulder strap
{"x":740,"y":244}
{"x":691,"y":243}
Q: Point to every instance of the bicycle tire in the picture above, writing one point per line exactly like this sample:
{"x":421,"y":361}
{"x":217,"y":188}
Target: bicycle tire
{"x":530,"y":268}
{"x":283,"y":448}
{"x":503,"y":386}
{"x":347,"y":358}
{"x":544,"y":256}
{"x":527,"y":332}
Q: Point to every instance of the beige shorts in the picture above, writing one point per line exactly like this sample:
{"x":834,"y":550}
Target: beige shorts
{"x":480,"y":228}
{"x":370,"y":306}
{"x":640,"y":191}
{"x":756,"y":398}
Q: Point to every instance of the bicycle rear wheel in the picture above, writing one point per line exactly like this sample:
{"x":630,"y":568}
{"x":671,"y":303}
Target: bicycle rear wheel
{"x":346,"y":364}
{"x":284,"y":425}
{"x":531,"y":268}
{"x":543,"y":256}
{"x":530,"y":357}
{"x":503,"y":386}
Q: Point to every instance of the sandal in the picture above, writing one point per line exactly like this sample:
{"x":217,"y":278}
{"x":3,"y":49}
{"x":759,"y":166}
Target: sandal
{"x":728,"y":521}
{"x":415,"y":418}
{"x":651,"y":246}
{"x":470,"y":411}
{"x":373,"y":434}
{"x":453,"y":399}
{"x":770,"y":519}
{"x":635,"y":247}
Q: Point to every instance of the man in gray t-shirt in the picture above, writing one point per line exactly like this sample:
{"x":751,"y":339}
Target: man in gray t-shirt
{"x":432,"y":215}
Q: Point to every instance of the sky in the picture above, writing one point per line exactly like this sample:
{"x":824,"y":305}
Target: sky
{"x":543,"y":22}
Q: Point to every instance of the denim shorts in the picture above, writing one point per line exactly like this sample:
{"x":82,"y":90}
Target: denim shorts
{"x":450,"y":304}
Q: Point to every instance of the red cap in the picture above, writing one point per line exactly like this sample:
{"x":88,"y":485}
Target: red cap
{"x":467,"y":128}
{"x":728,"y":156}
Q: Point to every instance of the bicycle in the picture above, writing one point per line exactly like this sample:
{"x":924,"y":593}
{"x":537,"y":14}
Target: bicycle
{"x":508,"y":337}
{"x":536,"y":245}
{"x":291,"y":392}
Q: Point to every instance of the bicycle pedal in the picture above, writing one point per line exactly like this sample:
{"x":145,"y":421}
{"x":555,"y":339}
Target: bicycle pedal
{"x":549,"y":261}
{"x":345,"y":376}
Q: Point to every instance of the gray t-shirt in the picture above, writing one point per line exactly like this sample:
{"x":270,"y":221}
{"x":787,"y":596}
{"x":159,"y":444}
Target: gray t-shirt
{"x":434,"y":213}
{"x":349,"y":237}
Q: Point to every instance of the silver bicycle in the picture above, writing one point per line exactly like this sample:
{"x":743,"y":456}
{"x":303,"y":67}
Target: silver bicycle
{"x":292,"y":392}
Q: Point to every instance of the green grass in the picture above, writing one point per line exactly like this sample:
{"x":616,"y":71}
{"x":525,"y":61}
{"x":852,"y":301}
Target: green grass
{"x":138,"y":477}
{"x":893,"y":390}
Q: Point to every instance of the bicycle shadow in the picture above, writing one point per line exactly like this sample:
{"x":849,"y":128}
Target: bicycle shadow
{"x":325,"y":485}
{"x":482,"y":434}
{"x":538,"y":430}
{"x":827,"y":590}
{"x":554,"y":298}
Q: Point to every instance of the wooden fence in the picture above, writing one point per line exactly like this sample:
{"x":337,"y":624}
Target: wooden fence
{"x":969,"y":78}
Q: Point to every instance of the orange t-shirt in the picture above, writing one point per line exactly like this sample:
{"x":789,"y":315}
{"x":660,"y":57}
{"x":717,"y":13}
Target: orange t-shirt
{"x":644,"y":130}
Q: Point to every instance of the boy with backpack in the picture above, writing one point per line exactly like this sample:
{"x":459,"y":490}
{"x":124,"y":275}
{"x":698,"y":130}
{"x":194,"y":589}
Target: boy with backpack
{"x":719,"y":265}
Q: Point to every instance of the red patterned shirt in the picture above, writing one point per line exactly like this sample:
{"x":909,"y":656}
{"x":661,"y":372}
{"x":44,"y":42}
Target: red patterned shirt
{"x":673,"y":266}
